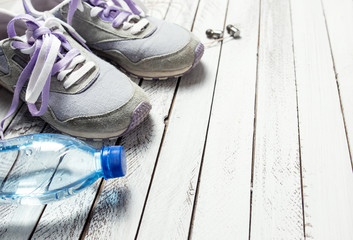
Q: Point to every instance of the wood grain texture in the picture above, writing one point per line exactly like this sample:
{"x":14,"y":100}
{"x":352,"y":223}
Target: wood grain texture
{"x":158,"y":8}
{"x":327,"y":172}
{"x":5,"y":103}
{"x":223,"y":203}
{"x":13,"y":6}
{"x":341,"y":39}
{"x":170,"y":202}
{"x":277,"y":199}
{"x":121,"y":203}
{"x":61,"y":220}
{"x":18,"y":222}
{"x":118,"y":211}
{"x":177,"y":139}
{"x":66,"y":219}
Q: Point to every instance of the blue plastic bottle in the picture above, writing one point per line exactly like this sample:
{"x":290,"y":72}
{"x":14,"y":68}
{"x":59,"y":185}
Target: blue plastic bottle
{"x":42,"y":168}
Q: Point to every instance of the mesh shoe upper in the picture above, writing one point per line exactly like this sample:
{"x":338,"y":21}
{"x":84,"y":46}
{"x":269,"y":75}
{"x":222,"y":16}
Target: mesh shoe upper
{"x":98,"y":92}
{"x":167,"y":38}
{"x":144,"y":53}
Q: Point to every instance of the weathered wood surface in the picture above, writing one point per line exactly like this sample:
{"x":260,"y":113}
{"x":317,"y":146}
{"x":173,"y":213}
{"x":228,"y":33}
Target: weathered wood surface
{"x":13,"y":6}
{"x":253,"y":143}
{"x":18,"y":222}
{"x":276,"y":199}
{"x":5,"y":99}
{"x":67,"y":219}
{"x":326,"y":163}
{"x":342,"y":53}
{"x":121,"y":200}
{"x":170,"y":201}
{"x":223,"y":199}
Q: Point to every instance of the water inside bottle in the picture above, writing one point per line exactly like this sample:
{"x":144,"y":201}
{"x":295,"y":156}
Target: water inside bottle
{"x":37,"y":172}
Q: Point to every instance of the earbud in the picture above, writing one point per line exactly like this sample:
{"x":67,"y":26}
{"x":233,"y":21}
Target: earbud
{"x":233,"y":31}
{"x":218,"y":35}
{"x":214,"y":34}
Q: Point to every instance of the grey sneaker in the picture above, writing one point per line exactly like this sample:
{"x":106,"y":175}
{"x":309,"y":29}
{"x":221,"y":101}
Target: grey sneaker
{"x":74,"y":91}
{"x":119,"y":31}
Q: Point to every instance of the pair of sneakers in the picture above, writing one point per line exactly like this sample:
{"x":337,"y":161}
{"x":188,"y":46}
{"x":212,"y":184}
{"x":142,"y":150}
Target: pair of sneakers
{"x":45,"y":60}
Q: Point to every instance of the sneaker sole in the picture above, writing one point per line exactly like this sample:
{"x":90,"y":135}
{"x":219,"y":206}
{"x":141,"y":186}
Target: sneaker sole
{"x":138,"y":116}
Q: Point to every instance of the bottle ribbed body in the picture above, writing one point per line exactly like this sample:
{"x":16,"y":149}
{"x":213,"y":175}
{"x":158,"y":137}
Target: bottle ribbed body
{"x":42,"y":168}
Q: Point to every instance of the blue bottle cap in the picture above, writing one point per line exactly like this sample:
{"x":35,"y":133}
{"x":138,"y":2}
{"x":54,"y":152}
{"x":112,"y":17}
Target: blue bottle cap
{"x":113,"y":162}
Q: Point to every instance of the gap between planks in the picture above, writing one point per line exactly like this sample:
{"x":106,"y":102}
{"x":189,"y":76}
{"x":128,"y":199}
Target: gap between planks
{"x":207,"y":89}
{"x":298,"y":118}
{"x":276,"y":206}
{"x":326,"y":205}
{"x":91,"y":212}
{"x":337,"y":83}
{"x":20,"y":115}
{"x":154,"y":169}
{"x":158,"y":112}
{"x":208,"y":126}
{"x":166,"y":122}
{"x":255,"y":119}
{"x":101,"y":186}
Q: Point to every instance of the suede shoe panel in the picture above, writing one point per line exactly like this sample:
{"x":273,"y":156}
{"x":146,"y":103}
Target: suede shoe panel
{"x":115,"y":121}
{"x":181,"y":59}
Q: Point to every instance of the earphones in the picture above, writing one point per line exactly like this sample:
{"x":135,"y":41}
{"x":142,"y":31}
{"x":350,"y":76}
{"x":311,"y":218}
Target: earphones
{"x":218,"y":35}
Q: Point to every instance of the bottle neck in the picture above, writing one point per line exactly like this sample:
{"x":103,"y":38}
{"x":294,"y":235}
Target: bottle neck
{"x":98,"y":162}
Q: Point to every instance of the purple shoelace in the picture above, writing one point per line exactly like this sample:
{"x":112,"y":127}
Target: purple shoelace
{"x":114,"y":13}
{"x":38,"y":35}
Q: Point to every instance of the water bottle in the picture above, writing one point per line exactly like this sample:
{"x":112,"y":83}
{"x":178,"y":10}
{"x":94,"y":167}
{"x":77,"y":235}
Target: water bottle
{"x":42,"y":168}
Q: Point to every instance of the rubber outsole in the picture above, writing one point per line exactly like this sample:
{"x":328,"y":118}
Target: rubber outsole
{"x":138,"y":116}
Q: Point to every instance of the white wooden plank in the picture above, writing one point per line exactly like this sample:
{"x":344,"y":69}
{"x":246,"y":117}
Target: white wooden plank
{"x":158,"y":8}
{"x":121,"y":204}
{"x":66,"y":219}
{"x":327,"y":172}
{"x":14,"y":6}
{"x":5,"y":103}
{"x":342,"y":50}
{"x":182,"y":12}
{"x":18,"y":222}
{"x":223,"y":203}
{"x":69,"y":214}
{"x":170,"y":202}
{"x":277,"y":199}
